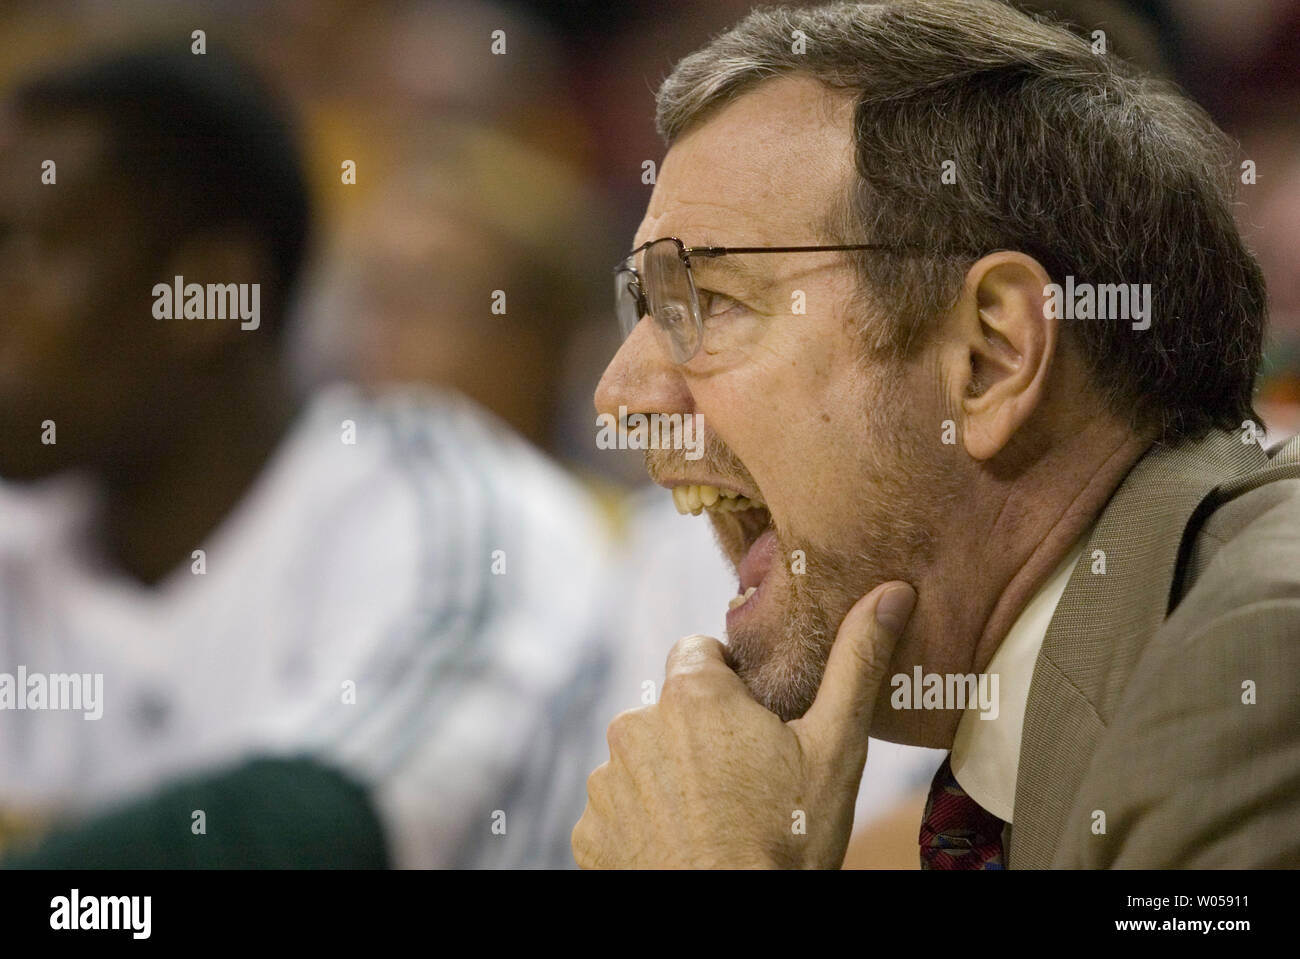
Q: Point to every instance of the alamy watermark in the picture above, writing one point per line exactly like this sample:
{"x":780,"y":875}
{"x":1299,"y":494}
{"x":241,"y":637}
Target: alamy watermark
{"x":215,"y":301}
{"x":946,"y":691}
{"x":70,"y":691}
{"x":76,"y":912}
{"x":1099,"y":301}
{"x":656,"y":431}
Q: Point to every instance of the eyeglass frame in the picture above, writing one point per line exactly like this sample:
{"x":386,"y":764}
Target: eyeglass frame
{"x":686,"y":252}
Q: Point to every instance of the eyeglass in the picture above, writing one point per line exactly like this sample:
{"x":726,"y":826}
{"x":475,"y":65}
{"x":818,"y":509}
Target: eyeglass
{"x":665,"y":289}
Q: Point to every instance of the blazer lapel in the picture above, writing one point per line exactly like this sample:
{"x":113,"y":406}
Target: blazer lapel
{"x":1101,"y":624}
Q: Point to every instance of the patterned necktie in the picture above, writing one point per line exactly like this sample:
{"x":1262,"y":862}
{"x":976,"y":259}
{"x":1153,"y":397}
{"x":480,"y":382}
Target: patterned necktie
{"x":956,"y":832}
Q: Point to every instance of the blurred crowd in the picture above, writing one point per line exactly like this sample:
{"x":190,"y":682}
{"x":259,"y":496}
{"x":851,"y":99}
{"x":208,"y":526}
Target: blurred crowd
{"x":494,"y":586}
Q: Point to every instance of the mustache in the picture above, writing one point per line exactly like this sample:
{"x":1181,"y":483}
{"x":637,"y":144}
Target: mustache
{"x":717,"y":460}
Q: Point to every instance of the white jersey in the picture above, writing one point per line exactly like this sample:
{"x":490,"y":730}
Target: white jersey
{"x":408,"y":592}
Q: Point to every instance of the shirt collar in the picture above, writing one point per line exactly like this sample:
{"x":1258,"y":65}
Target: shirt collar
{"x":986,"y":748}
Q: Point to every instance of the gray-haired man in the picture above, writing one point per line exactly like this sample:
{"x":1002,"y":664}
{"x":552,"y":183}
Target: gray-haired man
{"x":1029,"y":475}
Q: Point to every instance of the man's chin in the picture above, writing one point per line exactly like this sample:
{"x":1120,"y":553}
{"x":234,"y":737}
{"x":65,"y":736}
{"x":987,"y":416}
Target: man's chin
{"x":779,"y":652}
{"x":772,"y":690}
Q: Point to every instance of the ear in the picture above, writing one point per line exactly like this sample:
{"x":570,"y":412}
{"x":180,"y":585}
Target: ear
{"x":211,"y":258}
{"x":1001,"y":346}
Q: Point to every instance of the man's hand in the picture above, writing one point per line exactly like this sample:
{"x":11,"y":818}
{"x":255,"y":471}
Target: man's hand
{"x":709,"y":778}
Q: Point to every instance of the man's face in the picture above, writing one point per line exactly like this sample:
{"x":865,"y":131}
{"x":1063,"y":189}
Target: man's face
{"x":841,"y":447}
{"x":78,"y":346}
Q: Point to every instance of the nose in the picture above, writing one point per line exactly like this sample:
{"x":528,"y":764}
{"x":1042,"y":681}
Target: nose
{"x":642,"y":378}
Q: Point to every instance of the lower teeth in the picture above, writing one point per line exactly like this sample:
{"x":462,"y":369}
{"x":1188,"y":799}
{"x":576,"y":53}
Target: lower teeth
{"x":740,"y":600}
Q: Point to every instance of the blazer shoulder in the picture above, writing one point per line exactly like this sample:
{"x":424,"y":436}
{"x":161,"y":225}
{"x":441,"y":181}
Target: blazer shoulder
{"x":1248,"y":551}
{"x":1198,"y":767}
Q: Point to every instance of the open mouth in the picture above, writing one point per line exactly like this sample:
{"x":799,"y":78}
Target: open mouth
{"x":744,"y":527}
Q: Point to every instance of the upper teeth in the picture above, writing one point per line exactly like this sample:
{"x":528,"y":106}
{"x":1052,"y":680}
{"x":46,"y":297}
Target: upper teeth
{"x":696,"y":499}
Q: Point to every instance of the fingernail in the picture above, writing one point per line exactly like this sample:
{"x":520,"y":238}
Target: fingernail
{"x":895,"y":607}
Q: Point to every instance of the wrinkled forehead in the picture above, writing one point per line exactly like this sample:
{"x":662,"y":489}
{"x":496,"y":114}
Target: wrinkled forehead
{"x":763,"y":170}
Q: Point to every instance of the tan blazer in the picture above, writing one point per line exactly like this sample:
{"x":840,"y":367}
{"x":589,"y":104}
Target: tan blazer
{"x":1142,"y":747}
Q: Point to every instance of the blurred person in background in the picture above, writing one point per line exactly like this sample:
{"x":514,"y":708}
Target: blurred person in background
{"x":463,"y":268}
{"x":340,"y":630}
{"x":1269,"y":220}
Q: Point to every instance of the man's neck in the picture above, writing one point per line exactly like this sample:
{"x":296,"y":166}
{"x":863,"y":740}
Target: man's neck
{"x":1049,"y":523}
{"x":155,"y":513}
{"x":989,"y":568}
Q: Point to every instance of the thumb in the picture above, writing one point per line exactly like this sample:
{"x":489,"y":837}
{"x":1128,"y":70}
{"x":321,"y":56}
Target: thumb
{"x":839,"y":720}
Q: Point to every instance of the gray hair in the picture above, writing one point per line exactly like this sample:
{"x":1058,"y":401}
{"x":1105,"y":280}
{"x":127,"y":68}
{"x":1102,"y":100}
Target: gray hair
{"x":1072,"y":157}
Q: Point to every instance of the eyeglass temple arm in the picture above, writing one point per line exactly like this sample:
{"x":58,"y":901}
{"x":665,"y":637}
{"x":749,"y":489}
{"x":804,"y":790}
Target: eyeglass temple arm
{"x":708,"y":251}
{"x":724,"y":250}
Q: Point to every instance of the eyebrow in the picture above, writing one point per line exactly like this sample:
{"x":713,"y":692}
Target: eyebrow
{"x":733,"y":266}
{"x":704,"y":266}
